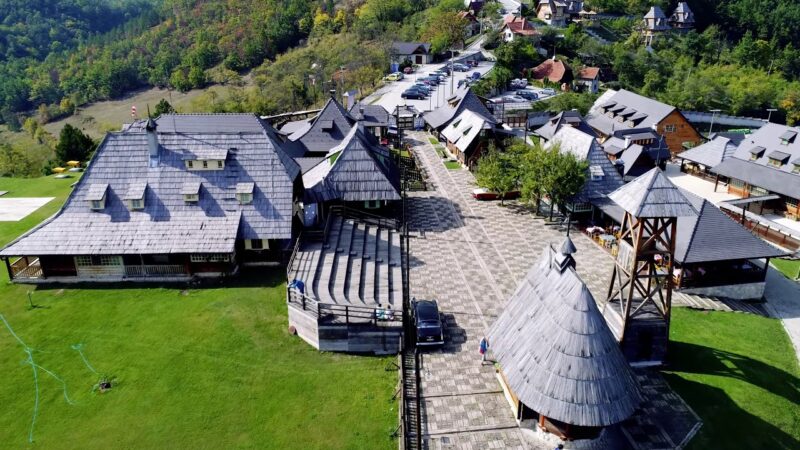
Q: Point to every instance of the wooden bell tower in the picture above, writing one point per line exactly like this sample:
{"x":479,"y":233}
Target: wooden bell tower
{"x":639,"y":298}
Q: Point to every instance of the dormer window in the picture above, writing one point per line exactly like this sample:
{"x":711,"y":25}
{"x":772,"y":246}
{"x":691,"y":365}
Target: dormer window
{"x":205,"y":164}
{"x":596,"y":173}
{"x":756,"y":152}
{"x":135,"y":195}
{"x":778,"y":159}
{"x":190,"y":164}
{"x":96,"y":196}
{"x":205,"y":159}
{"x":788,"y":137}
{"x":796,"y":168}
{"x":244,"y":193}
{"x":191,"y":191}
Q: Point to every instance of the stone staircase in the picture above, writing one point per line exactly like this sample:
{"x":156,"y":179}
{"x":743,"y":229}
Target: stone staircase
{"x":707,"y":303}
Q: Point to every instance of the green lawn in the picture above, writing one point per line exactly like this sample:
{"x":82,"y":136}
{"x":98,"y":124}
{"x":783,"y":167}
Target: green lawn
{"x":790,"y":268}
{"x":433,"y":140}
{"x":34,"y":187}
{"x":206,"y":367}
{"x":452,"y":165}
{"x":740,"y":374}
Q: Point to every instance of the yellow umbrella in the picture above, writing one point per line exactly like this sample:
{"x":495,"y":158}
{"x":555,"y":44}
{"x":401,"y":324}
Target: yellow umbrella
{"x":59,"y":169}
{"x":73,"y":163}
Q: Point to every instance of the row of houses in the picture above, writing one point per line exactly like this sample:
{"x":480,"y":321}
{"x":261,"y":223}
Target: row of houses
{"x":203,"y":194}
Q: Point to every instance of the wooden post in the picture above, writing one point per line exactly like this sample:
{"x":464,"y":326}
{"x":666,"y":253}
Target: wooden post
{"x":716,"y":181}
{"x":8,"y":268}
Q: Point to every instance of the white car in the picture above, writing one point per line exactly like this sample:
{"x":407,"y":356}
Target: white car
{"x":548,"y":91}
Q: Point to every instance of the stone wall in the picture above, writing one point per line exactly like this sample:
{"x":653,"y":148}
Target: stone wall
{"x":748,"y":291}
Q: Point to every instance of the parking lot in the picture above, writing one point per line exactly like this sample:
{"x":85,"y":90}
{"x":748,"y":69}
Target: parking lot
{"x":390,"y":95}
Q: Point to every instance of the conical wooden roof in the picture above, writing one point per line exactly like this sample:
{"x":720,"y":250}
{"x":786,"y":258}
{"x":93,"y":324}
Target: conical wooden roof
{"x":557,"y":352}
{"x":652,"y":195}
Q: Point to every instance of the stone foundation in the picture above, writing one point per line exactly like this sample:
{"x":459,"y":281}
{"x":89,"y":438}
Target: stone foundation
{"x":747,"y":291}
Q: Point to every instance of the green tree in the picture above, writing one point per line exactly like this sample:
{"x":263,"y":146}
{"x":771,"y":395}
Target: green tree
{"x":163,"y":107}
{"x":498,"y":172}
{"x":73,"y":145}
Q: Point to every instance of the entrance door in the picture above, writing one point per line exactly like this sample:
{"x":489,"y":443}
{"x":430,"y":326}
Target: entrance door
{"x":418,"y":59}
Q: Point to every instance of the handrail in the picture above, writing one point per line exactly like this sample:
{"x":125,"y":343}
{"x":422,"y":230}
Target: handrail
{"x":294,"y":254}
{"x":349,"y":313}
{"x":419,"y":400}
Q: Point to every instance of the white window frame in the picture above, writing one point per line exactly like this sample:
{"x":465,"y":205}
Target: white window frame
{"x":249,"y":244}
{"x":191,"y":198}
{"x":205,"y":164}
{"x":97,"y":204}
{"x":190,"y":164}
{"x":220,"y":165}
{"x":110,"y":260}
{"x":372,"y":204}
{"x":83,"y":260}
{"x":670,"y":128}
{"x":137,"y":203}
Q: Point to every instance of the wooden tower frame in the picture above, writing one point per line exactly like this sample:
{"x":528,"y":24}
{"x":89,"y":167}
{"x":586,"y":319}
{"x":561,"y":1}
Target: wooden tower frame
{"x":641,"y":285}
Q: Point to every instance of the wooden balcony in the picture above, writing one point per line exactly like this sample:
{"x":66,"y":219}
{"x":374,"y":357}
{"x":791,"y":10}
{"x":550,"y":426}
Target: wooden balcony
{"x":26,"y":269}
{"x":155,"y":270}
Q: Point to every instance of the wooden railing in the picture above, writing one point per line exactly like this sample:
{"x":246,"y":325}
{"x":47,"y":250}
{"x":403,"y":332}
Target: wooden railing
{"x":24,"y":268}
{"x":155,"y":270}
{"x":290,"y":264}
{"x":344,"y":314}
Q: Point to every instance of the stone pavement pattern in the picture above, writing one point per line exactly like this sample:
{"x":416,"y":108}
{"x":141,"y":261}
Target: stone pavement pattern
{"x":470,"y":256}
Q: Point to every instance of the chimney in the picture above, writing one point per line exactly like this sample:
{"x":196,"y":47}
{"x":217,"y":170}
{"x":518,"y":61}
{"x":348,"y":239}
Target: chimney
{"x":627,"y":141}
{"x":152,"y":138}
{"x":360,"y":112}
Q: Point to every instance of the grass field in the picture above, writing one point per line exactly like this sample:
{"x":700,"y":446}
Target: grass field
{"x":452,"y":165}
{"x":790,"y":268}
{"x":740,"y":374}
{"x":34,"y":187}
{"x":204,"y":367}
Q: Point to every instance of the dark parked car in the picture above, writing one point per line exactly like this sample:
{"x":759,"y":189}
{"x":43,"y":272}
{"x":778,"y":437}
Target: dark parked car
{"x":413,"y":94}
{"x":428,"y":322}
{"x":408,"y":70}
{"x":476,"y":75}
{"x":458,"y":67}
{"x":527,"y":95}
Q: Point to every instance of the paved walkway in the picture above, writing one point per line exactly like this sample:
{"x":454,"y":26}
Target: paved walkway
{"x":470,"y":256}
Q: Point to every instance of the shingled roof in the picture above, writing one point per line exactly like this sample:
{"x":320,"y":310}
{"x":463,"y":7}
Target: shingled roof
{"x":758,"y":172}
{"x":652,"y":195}
{"x":468,"y":100}
{"x":554,"y":70}
{"x":585,"y":148}
{"x":564,"y":119}
{"x":168,"y":224}
{"x":372,"y":115}
{"x":710,"y":153}
{"x":712,"y":235}
{"x":557,"y":352}
{"x":325,"y":131}
{"x":357,"y":170}
{"x":642,"y":112}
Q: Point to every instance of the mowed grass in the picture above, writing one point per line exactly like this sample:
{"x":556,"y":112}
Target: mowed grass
{"x":740,"y":375}
{"x":34,"y":187}
{"x":790,"y":268}
{"x":452,"y":165}
{"x":205,"y":367}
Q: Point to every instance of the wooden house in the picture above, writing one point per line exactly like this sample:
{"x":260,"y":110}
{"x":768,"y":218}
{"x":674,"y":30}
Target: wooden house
{"x":183,"y":195}
{"x":618,"y":112}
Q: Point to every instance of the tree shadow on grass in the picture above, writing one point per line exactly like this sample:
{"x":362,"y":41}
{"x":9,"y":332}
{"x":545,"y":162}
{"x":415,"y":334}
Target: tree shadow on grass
{"x":692,"y":358}
{"x":727,"y":425}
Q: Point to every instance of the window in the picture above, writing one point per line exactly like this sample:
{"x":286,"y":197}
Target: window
{"x":754,"y":156}
{"x":596,"y":172}
{"x":775,"y":162}
{"x":108,"y":260}
{"x":190,"y":164}
{"x":137,"y":204}
{"x":191,"y":198}
{"x":83,"y":260}
{"x":209,"y":257}
{"x":97,"y":204}
{"x":757,"y":191}
{"x":737,"y":183}
{"x":669,"y":128}
{"x":796,"y":168}
{"x":244,"y":198}
{"x":219,"y":164}
{"x":372,"y":204}
{"x":205,"y":164}
{"x":791,"y":202}
{"x":256,"y":244}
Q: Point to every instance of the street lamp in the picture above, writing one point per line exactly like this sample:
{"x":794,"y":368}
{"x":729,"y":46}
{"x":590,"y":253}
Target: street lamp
{"x":713,"y":113}
{"x":769,"y":116}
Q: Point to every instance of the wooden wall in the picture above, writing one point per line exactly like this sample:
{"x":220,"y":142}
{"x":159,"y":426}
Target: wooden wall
{"x":684,"y":132}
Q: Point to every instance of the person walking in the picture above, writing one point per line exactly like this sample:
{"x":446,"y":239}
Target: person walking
{"x":484,"y":348}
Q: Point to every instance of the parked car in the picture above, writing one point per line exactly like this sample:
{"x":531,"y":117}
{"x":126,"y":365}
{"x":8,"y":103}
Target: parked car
{"x":548,"y":91}
{"x":485,"y":194}
{"x":519,"y":83}
{"x":458,"y":67}
{"x":408,"y":70}
{"x":510,"y":99}
{"x":422,"y":87}
{"x":527,"y":95}
{"x":437,"y":75}
{"x":413,"y":94}
{"x":428,"y":322}
{"x":473,"y":62}
{"x":431,"y":80}
{"x":422,"y":91}
{"x":396,"y":76}
{"x":475,"y":75}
